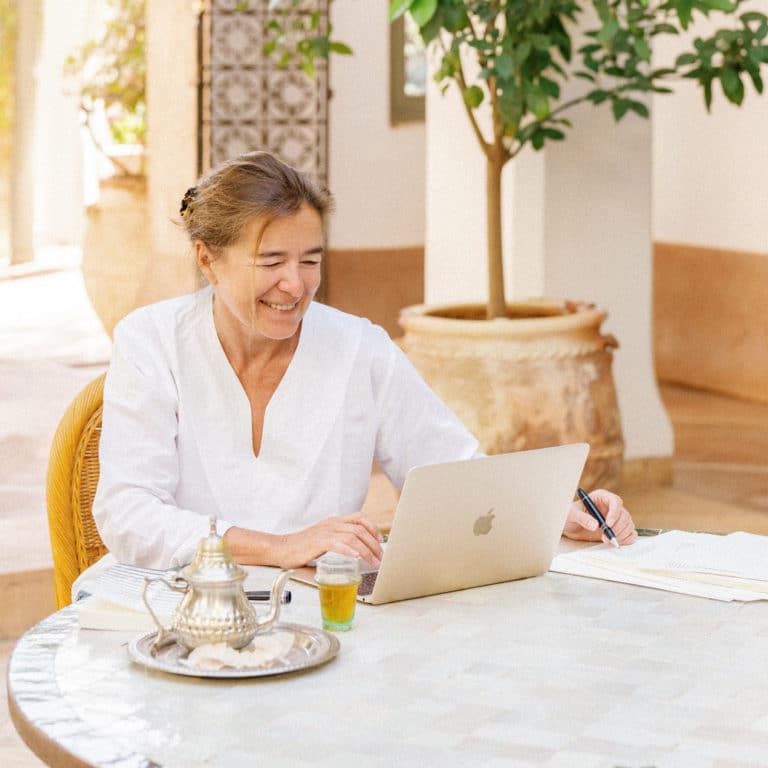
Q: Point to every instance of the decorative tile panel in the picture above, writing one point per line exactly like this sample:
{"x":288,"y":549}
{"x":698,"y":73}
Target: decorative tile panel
{"x":247,"y":102}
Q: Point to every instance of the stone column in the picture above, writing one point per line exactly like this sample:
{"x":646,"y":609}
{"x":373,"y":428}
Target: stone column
{"x":29,"y":34}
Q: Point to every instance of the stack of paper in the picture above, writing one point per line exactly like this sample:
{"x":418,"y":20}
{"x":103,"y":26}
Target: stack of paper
{"x":112,"y":599}
{"x":732,"y":567}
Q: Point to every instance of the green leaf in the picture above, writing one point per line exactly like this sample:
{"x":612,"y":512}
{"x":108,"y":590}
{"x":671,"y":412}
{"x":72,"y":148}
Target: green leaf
{"x":598,"y":96}
{"x":586,"y":76}
{"x":553,"y":133}
{"x":308,"y":68}
{"x":474,"y":96}
{"x":684,"y":12}
{"x":686,"y":58}
{"x":759,"y":53}
{"x":608,"y":32}
{"x":432,"y":28}
{"x":536,"y":100}
{"x":620,"y":108}
{"x":550,"y":87}
{"x":454,"y":17}
{"x":752,"y":16}
{"x":719,"y":5}
{"x":422,"y":11}
{"x":397,"y":8}
{"x":665,"y":29}
{"x":733,"y":88}
{"x":642,"y":49}
{"x":340,"y":48}
{"x":522,"y":52}
{"x":505,"y":65}
{"x":639,"y":108}
{"x":538,"y":140}
{"x":754,"y":72}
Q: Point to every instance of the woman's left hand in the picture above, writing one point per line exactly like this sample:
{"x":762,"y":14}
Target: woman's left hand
{"x":582,"y":526}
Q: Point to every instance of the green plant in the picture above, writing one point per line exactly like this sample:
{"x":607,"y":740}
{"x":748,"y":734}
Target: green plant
{"x":111,"y":71}
{"x":511,"y":58}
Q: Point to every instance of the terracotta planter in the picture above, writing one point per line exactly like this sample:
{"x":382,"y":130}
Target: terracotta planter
{"x":541,"y":377}
{"x":116,"y":248}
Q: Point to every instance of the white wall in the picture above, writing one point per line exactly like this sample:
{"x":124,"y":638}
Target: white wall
{"x":376,"y":171}
{"x":59,"y":184}
{"x":171,"y":141}
{"x":709,"y":184}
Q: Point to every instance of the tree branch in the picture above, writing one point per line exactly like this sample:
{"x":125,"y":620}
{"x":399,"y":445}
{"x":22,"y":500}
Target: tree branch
{"x":463,"y":84}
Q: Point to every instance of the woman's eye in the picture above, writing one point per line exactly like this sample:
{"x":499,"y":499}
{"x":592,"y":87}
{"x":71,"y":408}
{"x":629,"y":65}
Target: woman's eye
{"x":311,"y":262}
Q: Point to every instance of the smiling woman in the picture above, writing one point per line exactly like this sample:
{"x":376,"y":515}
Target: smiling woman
{"x":249,"y":401}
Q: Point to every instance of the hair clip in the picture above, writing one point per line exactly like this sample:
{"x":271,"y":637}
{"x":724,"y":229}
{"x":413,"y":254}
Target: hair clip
{"x":189,"y":196}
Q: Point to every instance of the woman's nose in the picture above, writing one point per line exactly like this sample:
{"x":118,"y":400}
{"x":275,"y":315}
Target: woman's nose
{"x":290,"y":280}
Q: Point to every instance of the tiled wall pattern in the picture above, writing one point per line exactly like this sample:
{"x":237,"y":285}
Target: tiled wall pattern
{"x":247,"y":101}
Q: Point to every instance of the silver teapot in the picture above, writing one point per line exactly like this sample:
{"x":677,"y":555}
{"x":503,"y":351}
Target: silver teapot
{"x":215,"y":608}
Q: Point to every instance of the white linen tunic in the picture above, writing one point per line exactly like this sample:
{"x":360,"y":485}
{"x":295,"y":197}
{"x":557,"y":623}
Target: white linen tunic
{"x":177,"y":445}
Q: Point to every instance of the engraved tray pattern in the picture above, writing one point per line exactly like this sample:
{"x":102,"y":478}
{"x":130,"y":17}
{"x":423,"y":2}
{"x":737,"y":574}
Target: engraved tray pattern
{"x":311,"y":647}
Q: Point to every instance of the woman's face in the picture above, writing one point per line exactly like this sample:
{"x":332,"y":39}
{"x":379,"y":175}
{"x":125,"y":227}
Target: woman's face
{"x":265,"y":287}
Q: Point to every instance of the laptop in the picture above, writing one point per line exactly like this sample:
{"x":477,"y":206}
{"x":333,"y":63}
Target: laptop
{"x":469,"y":523}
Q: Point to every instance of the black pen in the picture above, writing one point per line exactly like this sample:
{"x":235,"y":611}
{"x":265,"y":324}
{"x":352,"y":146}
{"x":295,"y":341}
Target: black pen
{"x":595,"y":512}
{"x":263,"y":595}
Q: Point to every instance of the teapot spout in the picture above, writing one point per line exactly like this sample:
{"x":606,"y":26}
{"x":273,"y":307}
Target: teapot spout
{"x":266,"y":622}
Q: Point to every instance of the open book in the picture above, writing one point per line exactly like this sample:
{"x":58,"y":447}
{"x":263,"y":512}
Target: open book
{"x":731,"y":567}
{"x":112,"y":599}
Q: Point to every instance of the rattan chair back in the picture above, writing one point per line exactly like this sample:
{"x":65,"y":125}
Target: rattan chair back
{"x":73,"y":472}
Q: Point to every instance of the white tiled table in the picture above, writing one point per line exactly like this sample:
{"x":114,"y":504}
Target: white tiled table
{"x":556,"y":671}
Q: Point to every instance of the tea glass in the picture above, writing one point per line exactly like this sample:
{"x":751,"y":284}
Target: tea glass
{"x":337,"y":577}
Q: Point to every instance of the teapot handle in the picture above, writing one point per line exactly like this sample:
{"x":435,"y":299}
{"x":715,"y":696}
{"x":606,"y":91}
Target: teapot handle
{"x":164,"y":634}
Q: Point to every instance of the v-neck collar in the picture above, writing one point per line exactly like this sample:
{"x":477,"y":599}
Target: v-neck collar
{"x":235,"y":387}
{"x":299,"y":418}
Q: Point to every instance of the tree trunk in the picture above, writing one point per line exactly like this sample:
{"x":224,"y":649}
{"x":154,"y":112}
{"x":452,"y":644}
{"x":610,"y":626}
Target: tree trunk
{"x":497,"y":306}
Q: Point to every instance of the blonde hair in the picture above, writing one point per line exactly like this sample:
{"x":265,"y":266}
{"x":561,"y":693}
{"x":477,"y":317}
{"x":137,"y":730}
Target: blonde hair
{"x":256,"y":184}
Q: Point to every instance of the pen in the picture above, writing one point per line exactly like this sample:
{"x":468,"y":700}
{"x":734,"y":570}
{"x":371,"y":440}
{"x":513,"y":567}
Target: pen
{"x":595,"y":512}
{"x":263,"y":595}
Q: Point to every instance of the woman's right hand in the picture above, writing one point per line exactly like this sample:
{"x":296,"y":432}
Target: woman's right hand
{"x":351,"y":535}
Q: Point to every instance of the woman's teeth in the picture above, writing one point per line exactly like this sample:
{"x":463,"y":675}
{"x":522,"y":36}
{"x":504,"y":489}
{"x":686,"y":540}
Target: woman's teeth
{"x":281,"y":307}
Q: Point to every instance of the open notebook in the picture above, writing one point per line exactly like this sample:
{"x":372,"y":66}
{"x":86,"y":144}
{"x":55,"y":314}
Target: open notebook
{"x":731,"y":567}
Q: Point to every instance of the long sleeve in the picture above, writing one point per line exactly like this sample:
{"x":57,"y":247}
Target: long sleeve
{"x":135,"y":508}
{"x":416,"y":427}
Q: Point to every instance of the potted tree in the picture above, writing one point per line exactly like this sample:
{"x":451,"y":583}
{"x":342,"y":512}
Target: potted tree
{"x":109,"y":76}
{"x":540,"y":372}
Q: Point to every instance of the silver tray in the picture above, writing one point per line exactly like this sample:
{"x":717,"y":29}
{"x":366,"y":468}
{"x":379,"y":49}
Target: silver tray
{"x":311,"y":647}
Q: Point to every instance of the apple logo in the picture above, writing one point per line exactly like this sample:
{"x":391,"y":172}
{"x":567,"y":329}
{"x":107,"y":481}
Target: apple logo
{"x":483,"y":523}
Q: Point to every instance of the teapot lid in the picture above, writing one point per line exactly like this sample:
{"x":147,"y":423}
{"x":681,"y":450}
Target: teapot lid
{"x":213,"y":563}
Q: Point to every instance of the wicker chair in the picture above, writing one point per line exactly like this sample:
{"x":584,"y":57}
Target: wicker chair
{"x":73,"y":471}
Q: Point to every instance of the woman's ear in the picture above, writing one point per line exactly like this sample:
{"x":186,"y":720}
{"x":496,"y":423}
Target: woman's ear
{"x":205,"y":261}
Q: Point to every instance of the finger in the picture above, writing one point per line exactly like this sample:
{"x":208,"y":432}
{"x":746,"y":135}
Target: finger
{"x":351,"y":539}
{"x":364,"y":521}
{"x":624,"y":525}
{"x":610,"y":504}
{"x":365,"y":536}
{"x":582,"y":518}
{"x":627,"y":535}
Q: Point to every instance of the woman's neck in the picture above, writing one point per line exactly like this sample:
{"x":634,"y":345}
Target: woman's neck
{"x":244,"y":346}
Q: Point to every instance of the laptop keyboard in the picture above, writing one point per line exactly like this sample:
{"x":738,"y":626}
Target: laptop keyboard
{"x":366,"y":584}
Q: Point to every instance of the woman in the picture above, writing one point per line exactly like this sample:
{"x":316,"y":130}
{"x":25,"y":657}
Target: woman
{"x":249,"y":401}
